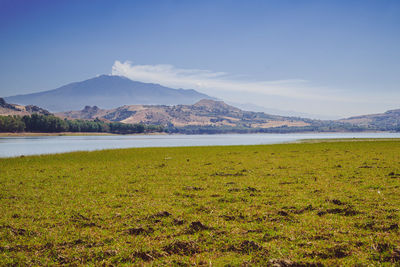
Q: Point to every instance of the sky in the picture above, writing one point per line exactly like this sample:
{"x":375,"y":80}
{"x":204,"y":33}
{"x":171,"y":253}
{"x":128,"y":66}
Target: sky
{"x":336,"y":58}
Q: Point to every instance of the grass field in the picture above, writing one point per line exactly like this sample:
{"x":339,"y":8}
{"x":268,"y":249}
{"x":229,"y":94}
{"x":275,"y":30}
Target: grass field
{"x":335,"y":203}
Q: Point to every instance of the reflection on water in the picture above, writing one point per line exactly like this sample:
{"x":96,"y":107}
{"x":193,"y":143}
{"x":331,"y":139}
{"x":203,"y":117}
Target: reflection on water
{"x":17,"y":146}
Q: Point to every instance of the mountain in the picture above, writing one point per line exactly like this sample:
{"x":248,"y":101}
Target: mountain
{"x":205,"y":112}
{"x":13,"y":109}
{"x":210,"y":116}
{"x":288,"y":113}
{"x":388,"y":121}
{"x":107,"y":92}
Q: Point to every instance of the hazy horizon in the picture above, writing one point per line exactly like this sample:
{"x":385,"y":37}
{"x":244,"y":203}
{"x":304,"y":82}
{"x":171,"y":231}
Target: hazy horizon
{"x":331,"y":58}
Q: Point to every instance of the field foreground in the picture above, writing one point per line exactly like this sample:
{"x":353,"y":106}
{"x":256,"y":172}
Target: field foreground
{"x":335,"y":203}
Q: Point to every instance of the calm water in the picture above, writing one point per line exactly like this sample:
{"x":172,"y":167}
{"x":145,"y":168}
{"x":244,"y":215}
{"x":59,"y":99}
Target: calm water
{"x":17,"y":146}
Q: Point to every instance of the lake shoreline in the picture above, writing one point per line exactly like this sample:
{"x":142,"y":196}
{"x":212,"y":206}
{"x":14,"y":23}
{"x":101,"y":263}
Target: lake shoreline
{"x":15,"y":146}
{"x":301,"y":141}
{"x":27,"y":134}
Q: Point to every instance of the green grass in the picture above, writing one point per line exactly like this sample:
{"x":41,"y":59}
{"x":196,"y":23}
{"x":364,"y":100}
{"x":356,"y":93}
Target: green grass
{"x":335,"y":203}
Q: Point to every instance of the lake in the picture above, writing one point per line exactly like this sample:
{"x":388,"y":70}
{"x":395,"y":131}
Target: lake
{"x":35,"y":145}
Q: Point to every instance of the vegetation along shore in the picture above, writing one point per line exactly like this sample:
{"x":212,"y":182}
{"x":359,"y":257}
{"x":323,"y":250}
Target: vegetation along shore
{"x":334,"y":203}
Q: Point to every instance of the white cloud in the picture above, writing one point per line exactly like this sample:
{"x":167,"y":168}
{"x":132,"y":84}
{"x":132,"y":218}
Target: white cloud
{"x":210,"y":81}
{"x":292,"y":94}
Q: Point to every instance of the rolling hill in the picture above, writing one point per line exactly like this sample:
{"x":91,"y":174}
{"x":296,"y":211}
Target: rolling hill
{"x":107,"y":92}
{"x":19,"y":110}
{"x":205,"y":112}
{"x":389,"y":120}
{"x":208,"y":113}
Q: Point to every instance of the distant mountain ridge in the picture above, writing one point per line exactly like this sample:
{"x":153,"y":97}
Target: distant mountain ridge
{"x":205,"y":112}
{"x":221,"y":117}
{"x":211,"y":113}
{"x":281,"y":112}
{"x":389,"y":120}
{"x":107,"y":91}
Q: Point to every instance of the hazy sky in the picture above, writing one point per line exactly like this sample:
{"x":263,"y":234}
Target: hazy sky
{"x":326,"y":57}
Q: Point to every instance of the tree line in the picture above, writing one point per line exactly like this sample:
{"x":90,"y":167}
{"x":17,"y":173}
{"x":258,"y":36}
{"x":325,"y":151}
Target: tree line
{"x":51,"y":124}
{"x":321,"y":127}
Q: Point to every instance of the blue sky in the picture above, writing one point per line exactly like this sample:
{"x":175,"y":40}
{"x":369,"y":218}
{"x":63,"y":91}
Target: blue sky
{"x":326,"y":57}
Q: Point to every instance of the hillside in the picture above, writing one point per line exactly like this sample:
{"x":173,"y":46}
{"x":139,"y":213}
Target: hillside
{"x":108,"y":92}
{"x":210,"y":116}
{"x":203,"y":113}
{"x":390,"y":120}
{"x":20,"y":110}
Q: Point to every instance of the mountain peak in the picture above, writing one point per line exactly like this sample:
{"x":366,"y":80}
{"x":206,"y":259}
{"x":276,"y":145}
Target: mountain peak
{"x":90,"y":109}
{"x":211,"y":104}
{"x":110,"y":76}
